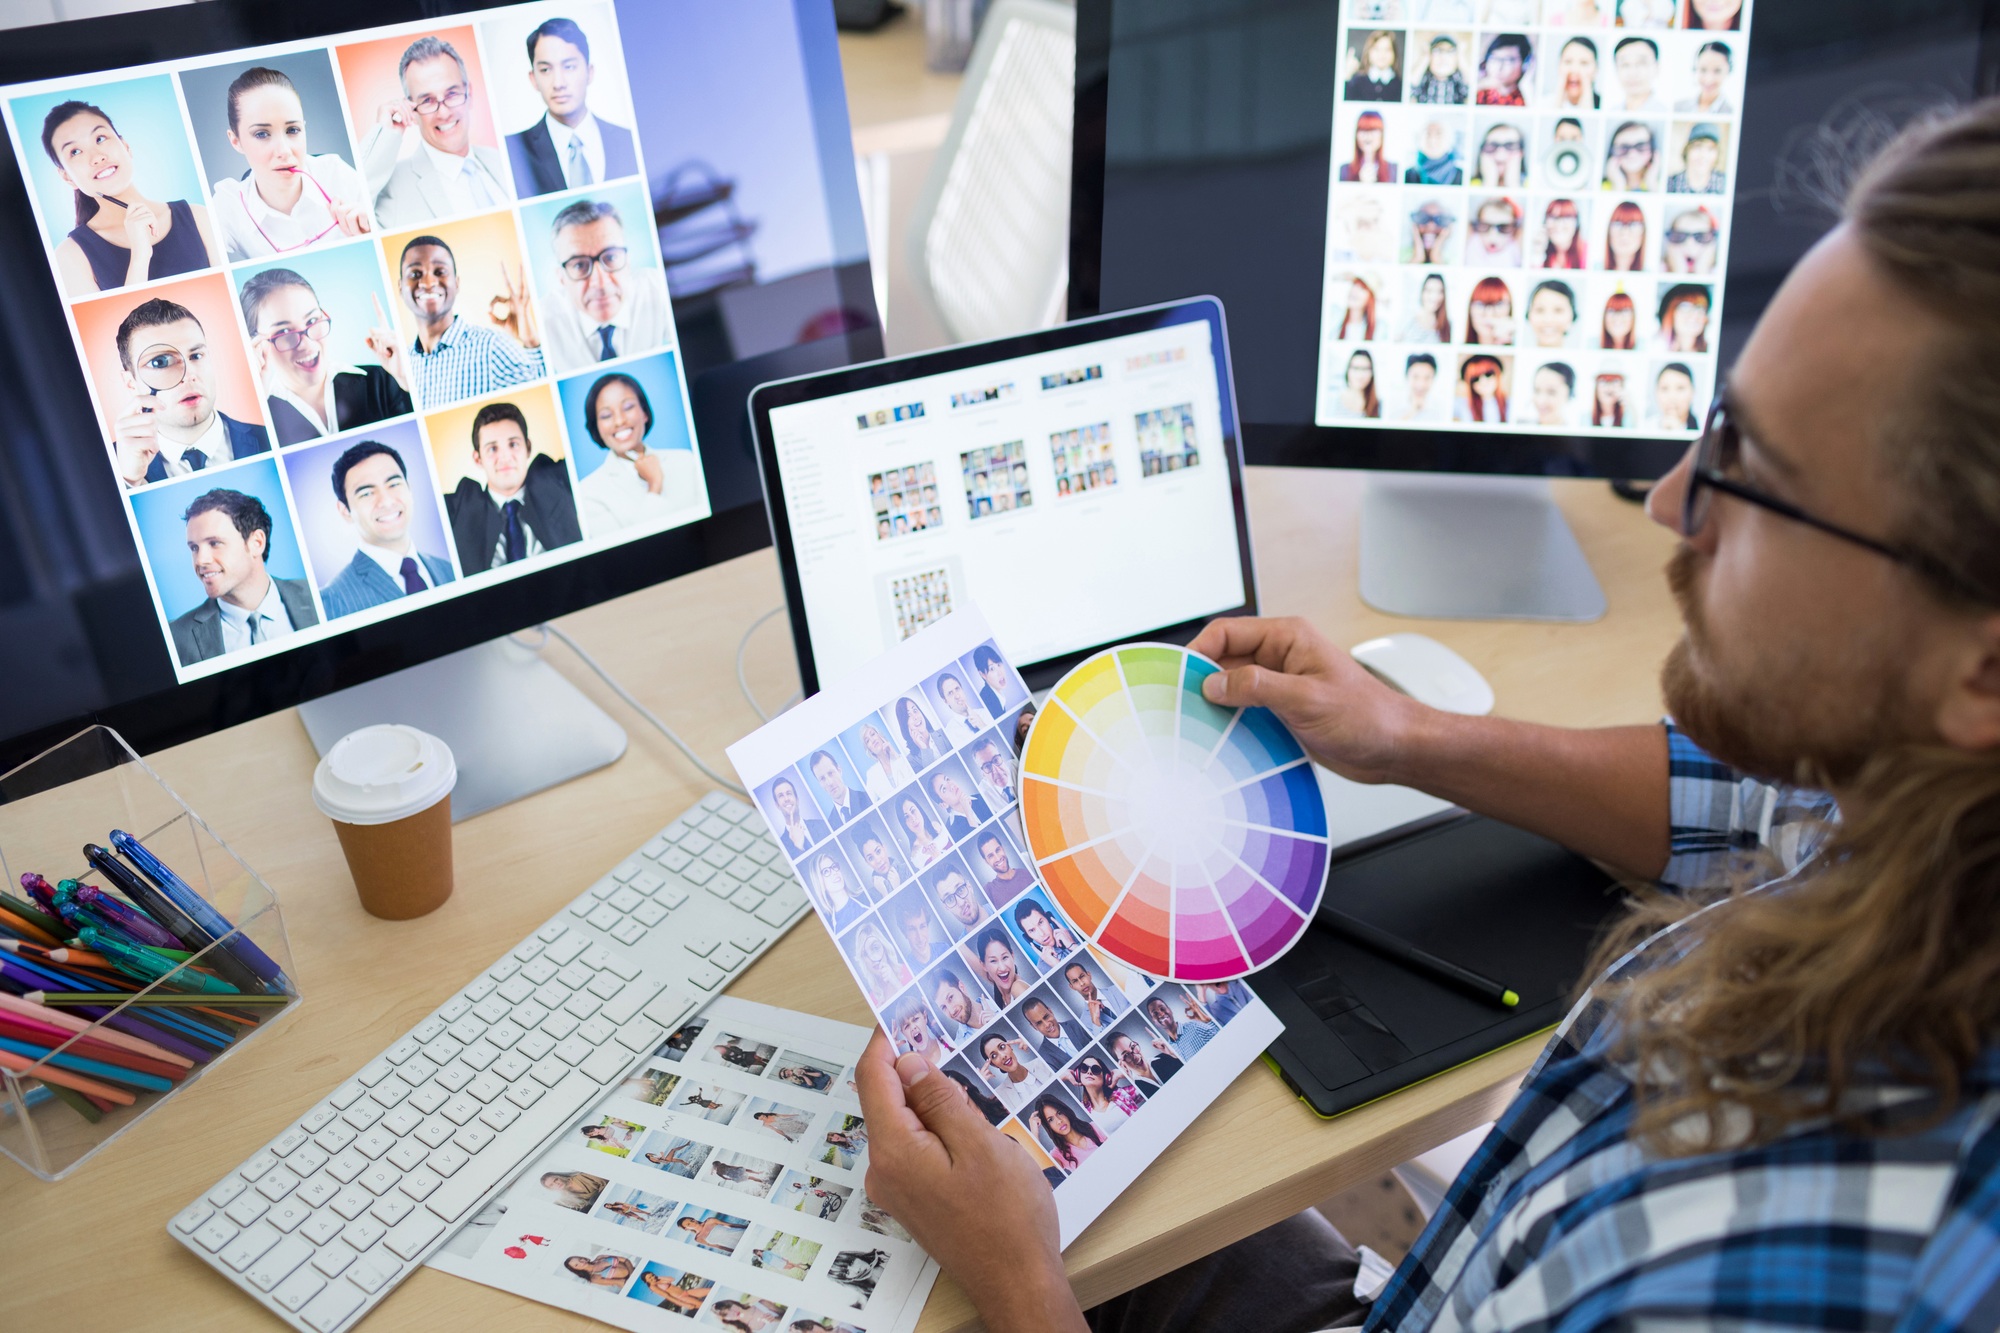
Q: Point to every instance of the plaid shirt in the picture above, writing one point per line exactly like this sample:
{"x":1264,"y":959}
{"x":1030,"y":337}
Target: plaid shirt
{"x":471,"y":360}
{"x":1561,"y":1221}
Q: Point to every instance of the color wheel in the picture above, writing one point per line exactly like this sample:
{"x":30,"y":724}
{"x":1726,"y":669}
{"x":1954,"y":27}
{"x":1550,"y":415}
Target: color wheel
{"x":1185,"y":839}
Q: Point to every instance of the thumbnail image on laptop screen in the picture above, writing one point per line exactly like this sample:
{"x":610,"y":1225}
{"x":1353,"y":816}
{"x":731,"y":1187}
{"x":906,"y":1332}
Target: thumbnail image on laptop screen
{"x":366,"y":321}
{"x":1529,"y":208}
{"x":1079,"y":495}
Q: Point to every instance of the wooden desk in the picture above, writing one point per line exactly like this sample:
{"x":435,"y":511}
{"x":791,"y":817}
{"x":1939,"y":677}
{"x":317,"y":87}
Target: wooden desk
{"x":92,"y":1252}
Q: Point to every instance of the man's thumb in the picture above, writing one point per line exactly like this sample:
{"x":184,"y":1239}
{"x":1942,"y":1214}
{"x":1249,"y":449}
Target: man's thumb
{"x":1246,"y":687}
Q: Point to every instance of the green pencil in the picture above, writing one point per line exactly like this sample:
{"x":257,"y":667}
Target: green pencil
{"x":118,"y":997}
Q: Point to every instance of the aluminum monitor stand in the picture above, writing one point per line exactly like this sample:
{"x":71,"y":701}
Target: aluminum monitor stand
{"x":514,"y":724}
{"x":1451,"y":547}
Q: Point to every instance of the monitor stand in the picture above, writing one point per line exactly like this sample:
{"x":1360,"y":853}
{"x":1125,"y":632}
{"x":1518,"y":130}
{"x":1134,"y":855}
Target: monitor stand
{"x":1472,"y":548}
{"x":514,"y":724}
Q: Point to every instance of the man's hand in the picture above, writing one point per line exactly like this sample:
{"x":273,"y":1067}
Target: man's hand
{"x":138,"y":439}
{"x":396,"y":114}
{"x":1346,"y":718}
{"x":972,"y":1197}
{"x":520,"y":322}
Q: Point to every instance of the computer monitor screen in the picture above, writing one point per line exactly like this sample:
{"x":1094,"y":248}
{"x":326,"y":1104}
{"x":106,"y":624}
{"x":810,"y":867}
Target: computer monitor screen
{"x":1211,"y":141}
{"x":338,"y":351}
{"x":1081,"y":485}
{"x":1527,"y":220}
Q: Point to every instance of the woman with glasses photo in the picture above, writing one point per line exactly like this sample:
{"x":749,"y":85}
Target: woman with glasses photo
{"x":309,"y":397}
{"x":1502,"y":156}
{"x":291,"y":198}
{"x":1562,"y":236}
{"x":1633,"y":158}
{"x":1108,"y":1096}
{"x":1489,"y":315}
{"x":1482,"y":398}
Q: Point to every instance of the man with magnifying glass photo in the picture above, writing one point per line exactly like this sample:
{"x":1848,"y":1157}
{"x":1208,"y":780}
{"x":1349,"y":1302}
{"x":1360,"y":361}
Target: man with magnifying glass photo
{"x":169,"y":425}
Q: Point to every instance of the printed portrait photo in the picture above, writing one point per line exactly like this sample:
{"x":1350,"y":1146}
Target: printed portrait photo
{"x":638,"y":1209}
{"x":115,"y":183}
{"x":674,"y":1290}
{"x":674,"y":1154}
{"x":914,"y":1028}
{"x":611,"y":1135}
{"x":735,"y":1310}
{"x":709,"y":1229}
{"x":742,"y":1173}
{"x":280,"y":171}
{"x":423,"y":126}
{"x":574,"y":1190}
{"x":738,"y":1052}
{"x":787,"y":1256}
{"x":605,"y":1268}
{"x":804,"y":1071}
{"x":226,"y":561}
{"x":844,"y":1143}
{"x":765,"y":1115}
{"x":876,"y":854}
{"x":960,"y":1000}
{"x":920,"y":936}
{"x":651,"y":1086}
{"x":812,"y":1195}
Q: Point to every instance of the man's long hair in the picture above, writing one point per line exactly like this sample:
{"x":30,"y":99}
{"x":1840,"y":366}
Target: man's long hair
{"x":1881,"y":963}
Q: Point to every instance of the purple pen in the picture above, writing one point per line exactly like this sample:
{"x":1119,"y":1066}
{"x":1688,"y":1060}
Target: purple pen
{"x":43,"y":892}
{"x":129,"y":919}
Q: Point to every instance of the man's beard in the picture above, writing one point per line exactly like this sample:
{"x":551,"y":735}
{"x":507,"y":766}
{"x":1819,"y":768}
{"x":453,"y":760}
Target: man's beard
{"x":1812,"y":719}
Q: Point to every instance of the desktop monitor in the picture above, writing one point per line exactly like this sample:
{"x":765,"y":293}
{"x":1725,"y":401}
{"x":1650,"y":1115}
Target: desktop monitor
{"x":1480,"y":236}
{"x":341,"y":339}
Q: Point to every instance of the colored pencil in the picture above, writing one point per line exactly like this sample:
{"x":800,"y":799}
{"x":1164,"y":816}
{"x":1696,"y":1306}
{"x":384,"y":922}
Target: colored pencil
{"x":35,"y":1013}
{"x":73,"y":1043}
{"x":114,"y":997}
{"x":64,"y":1078}
{"x":76,"y":1101}
{"x":82,"y":1064}
{"x":80,"y":958}
{"x":26,"y":929}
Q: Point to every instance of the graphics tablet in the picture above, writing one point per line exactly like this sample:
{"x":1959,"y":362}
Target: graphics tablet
{"x":1083,"y":484}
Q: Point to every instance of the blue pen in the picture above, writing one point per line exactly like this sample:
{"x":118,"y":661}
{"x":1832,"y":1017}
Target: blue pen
{"x":84,"y":1065}
{"x":197,"y":907}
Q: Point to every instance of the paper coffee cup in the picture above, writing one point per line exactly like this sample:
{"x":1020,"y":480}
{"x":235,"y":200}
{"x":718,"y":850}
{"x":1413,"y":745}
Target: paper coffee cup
{"x":387,"y":790}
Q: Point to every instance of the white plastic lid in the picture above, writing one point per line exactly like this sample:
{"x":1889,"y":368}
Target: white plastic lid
{"x":380,"y":774}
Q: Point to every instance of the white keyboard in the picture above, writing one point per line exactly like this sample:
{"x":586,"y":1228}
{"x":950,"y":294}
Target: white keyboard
{"x":321,"y":1222}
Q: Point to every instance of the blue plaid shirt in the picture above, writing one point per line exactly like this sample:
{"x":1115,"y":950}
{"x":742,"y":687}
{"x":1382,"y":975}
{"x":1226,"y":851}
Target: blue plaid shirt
{"x":471,"y":360}
{"x":1561,"y":1221}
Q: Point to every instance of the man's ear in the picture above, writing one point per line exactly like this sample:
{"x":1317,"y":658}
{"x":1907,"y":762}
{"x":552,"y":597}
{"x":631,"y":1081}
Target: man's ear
{"x":259,"y":544}
{"x":1968,"y":716}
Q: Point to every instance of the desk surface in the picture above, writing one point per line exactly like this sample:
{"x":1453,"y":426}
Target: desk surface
{"x":367,"y":981}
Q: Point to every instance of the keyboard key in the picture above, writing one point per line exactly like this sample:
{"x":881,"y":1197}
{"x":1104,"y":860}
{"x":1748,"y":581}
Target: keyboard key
{"x":549,"y":1072}
{"x":334,"y":1137}
{"x":371,"y":1271}
{"x":333,"y":1259}
{"x":625,"y":870}
{"x":671,"y":899}
{"x":605,"y":1065}
{"x":722,"y":888}
{"x":254,"y":1169}
{"x":374,"y":1143}
{"x":446,"y":1161}
{"x":622,"y":902}
{"x":472,"y":1138}
{"x":504,"y":1034}
{"x":641,"y":1036}
{"x":716,"y":801}
{"x":700,"y":945}
{"x":400,"y":1052}
{"x":763,"y":852}
{"x":647,"y":883}
{"x":407,"y":1154}
{"x":420,"y":1183}
{"x":516,"y":989}
{"x":728,"y":958}
{"x":668,"y":1008}
{"x":399,"y":1122}
{"x":540,"y":971}
{"x":308,"y":1159}
{"x":676,"y":859}
{"x":346,"y":1095}
{"x":481,"y":1053}
{"x":249,"y":1247}
{"x":391,"y":1209}
{"x":277,"y":1183}
{"x":247,"y":1209}
{"x":620,"y":1007}
{"x":706,"y":977}
{"x":780,"y":907}
{"x":573,"y":1052}
{"x":583,"y":907}
{"x":742,"y":871}
{"x":290,"y":1141}
{"x":420,"y":1070}
{"x":468,"y":1029}
{"x":655,"y":848}
{"x":444,"y":1050}
{"x":694,"y":844}
{"x":528,"y":1015}
{"x":380,"y":1178}
{"x":747,"y":939}
{"x":649,"y":914}
{"x":455,"y":1008}
{"x":317,"y":1119}
{"x":480,"y":988}
{"x":427,"y":1031}
{"x":492,"y":1009}
{"x":318,"y":1190}
{"x":718,"y":856}
{"x":299,"y":1288}
{"x":698,"y":874}
{"x":548,"y":934}
{"x":321,"y":1228}
{"x":499,"y":1115}
{"x":525,"y":1093}
{"x":288,"y":1214}
{"x":193,"y":1216}
{"x":534,"y":1046}
{"x":460,"y":1109}
{"x":331,"y":1307}
{"x":363,"y":1232}
{"x":582,"y":1004}
{"x":510,"y":1067}
{"x":352,"y":1202}
{"x":736,"y":840}
{"x":768,"y":882}
{"x":347,"y":1166}
{"x":629,"y":931}
{"x":596,"y":1032}
{"x":428,"y":1098}
{"x":567,"y":948}
{"x":551,"y":995}
{"x":362,"y":1115}
{"x":375,"y":1071}
{"x":215,"y":1233}
{"x":225,"y":1193}
{"x":278,"y":1263}
{"x":484,"y":1088}
{"x":409,"y":1239}
{"x":746,"y":899}
{"x":454,"y":1076}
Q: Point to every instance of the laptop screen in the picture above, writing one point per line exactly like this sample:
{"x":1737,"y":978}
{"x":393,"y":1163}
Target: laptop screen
{"x":1081,"y":495}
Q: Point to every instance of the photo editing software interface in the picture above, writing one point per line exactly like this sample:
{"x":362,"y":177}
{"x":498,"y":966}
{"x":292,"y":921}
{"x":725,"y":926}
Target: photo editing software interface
{"x":1528,"y":213}
{"x":1043,"y":487}
{"x":368,"y":321}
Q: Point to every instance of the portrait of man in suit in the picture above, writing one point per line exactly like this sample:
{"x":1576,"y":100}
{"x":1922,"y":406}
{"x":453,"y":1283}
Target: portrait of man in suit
{"x":568,"y":147}
{"x":1058,"y":1038}
{"x":169,"y":425}
{"x":608,"y":306}
{"x":371,"y":486}
{"x":448,"y":175}
{"x":229,"y":539}
{"x":523,"y":508}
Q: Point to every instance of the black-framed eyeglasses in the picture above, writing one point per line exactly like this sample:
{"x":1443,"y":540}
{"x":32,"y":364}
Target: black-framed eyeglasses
{"x":612,"y":258}
{"x":454,"y":97}
{"x":318,"y":326}
{"x":1719,"y":452}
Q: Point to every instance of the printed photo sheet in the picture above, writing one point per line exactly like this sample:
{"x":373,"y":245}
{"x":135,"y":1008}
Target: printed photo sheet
{"x":720,"y":1186}
{"x":895,"y":795}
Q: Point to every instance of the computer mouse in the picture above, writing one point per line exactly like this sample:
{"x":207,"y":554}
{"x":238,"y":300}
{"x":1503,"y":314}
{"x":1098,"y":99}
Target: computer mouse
{"x":1427,"y":671}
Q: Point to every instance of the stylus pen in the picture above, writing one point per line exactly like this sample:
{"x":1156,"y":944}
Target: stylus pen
{"x":162,"y":909}
{"x":1402,"y":951}
{"x":234,"y":942}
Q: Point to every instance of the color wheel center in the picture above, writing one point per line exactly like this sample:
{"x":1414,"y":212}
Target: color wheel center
{"x":1174,"y":809}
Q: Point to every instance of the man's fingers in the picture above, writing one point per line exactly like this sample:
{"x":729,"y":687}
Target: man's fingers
{"x":881,"y":1090}
{"x":381,"y":318}
{"x":1252,"y":686}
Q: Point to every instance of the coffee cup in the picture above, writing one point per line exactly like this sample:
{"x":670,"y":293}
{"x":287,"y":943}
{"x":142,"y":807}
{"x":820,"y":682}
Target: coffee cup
{"x":387,"y":790}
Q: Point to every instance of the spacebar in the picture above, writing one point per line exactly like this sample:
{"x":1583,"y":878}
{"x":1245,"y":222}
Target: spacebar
{"x":499,"y":1160}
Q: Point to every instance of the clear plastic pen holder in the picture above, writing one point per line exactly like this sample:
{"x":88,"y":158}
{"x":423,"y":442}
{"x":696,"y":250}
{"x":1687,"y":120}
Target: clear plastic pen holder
{"x":50,"y":806}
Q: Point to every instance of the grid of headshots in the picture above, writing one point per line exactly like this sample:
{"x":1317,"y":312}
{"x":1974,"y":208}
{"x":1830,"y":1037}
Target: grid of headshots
{"x":905,"y":829}
{"x":1545,"y":181}
{"x":996,"y":479}
{"x":365,"y":320}
{"x":904,"y":500}
{"x":726,"y":1187}
{"x":919,"y":599}
{"x":1082,"y":458}
{"x":1167,"y":440}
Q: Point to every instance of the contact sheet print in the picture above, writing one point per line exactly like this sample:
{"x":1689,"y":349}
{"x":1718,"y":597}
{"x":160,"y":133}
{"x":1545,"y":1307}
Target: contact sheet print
{"x":720,"y":1186}
{"x":896,"y":795}
{"x":1529,"y":213}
